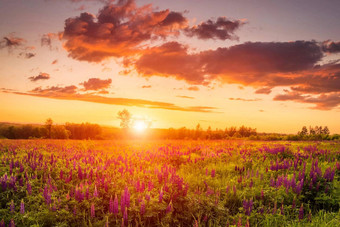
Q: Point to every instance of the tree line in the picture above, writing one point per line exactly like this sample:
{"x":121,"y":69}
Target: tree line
{"x":51,"y":131}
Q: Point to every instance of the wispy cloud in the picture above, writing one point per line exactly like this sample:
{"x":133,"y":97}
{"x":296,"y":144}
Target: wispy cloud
{"x":244,"y":100}
{"x":71,"y":93}
{"x":41,"y":76}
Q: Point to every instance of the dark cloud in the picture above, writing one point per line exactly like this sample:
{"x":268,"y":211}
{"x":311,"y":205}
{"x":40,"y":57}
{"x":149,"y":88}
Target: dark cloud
{"x":96,"y":84}
{"x":244,"y":100}
{"x":222,"y":29}
{"x":264,"y":90}
{"x":27,"y":55}
{"x":321,"y":102}
{"x":331,"y":47}
{"x":41,"y":76}
{"x":70,"y":93}
{"x":10,"y":41}
{"x":247,"y":64}
{"x":55,"y":91}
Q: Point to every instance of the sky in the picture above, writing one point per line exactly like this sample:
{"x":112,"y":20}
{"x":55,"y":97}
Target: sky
{"x":270,"y":65}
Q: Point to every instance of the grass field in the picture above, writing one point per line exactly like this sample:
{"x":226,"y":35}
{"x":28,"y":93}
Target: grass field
{"x":169,"y":183}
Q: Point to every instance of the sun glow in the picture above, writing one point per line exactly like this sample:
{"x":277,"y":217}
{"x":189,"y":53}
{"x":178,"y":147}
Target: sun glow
{"x":140,"y":126}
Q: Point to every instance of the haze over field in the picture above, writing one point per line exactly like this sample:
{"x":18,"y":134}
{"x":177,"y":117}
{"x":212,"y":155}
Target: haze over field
{"x":270,"y":65}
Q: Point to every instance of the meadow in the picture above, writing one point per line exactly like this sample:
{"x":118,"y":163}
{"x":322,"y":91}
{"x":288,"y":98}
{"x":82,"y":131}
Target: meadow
{"x":169,"y":183}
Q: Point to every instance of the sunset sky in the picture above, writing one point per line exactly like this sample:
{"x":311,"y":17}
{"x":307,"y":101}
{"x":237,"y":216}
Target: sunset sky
{"x":271,"y":65}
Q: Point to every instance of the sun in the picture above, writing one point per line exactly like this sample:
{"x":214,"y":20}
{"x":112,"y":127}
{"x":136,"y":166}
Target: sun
{"x":140,"y":126}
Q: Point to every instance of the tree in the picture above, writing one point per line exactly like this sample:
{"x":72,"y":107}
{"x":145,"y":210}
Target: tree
{"x":325,"y":130}
{"x":198,"y":131}
{"x":125,"y":117}
{"x":48,"y":126}
{"x":304,"y":131}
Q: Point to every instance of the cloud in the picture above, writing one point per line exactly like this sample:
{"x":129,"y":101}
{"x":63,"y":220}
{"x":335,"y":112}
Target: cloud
{"x":71,"y":93}
{"x":96,"y":84}
{"x":321,"y":102}
{"x":193,"y":88}
{"x":244,"y":100}
{"x":146,"y":86}
{"x":331,"y":47}
{"x":47,"y":39}
{"x":10,"y":41}
{"x":251,"y":63}
{"x":185,"y":97}
{"x":41,"y":76}
{"x":264,"y":90}
{"x":54,"y":62}
{"x":27,"y":55}
{"x":118,"y":30}
{"x":222,"y":29}
{"x":55,"y":91}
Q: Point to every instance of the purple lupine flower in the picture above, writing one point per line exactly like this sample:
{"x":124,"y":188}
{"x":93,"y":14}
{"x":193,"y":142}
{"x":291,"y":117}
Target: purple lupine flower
{"x":122,"y":203}
{"x":125,"y":216}
{"x":147,"y":197}
{"x":93,"y":214}
{"x":115,"y":205}
{"x":282,"y":210}
{"x":161,"y":195}
{"x":301,"y":212}
{"x":11,"y":224}
{"x":74,"y":210}
{"x":2,"y":223}
{"x":29,"y":188}
{"x":142,"y":208}
{"x":11,"y":207}
{"x":262,"y":194}
{"x":127,"y":197}
{"x":111,"y":205}
{"x":293,"y":205}
{"x":213,"y":173}
{"x":275,"y":208}
{"x":169,"y":208}
{"x":95,"y":193}
{"x":239,"y":223}
{"x":22,"y":207}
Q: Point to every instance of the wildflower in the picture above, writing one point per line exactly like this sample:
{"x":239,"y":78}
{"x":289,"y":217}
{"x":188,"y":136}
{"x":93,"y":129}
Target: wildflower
{"x":301,"y":212}
{"x":282,"y":210}
{"x":127,"y":197}
{"x":161,"y":195}
{"x":11,"y":207}
{"x":213,"y":173}
{"x":169,"y":208}
{"x":142,"y":208}
{"x":95,"y":193}
{"x":125,"y":216}
{"x":22,"y":207}
{"x":29,"y":188}
{"x":239,"y":223}
{"x":111,"y":205}
{"x":11,"y":224}
{"x":115,"y":205}
{"x":92,"y":211}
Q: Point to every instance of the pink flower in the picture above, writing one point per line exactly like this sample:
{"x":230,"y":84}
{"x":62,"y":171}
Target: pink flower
{"x":92,"y":211}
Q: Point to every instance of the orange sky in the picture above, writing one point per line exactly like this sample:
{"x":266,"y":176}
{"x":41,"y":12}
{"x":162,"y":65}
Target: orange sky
{"x":272,"y":66}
